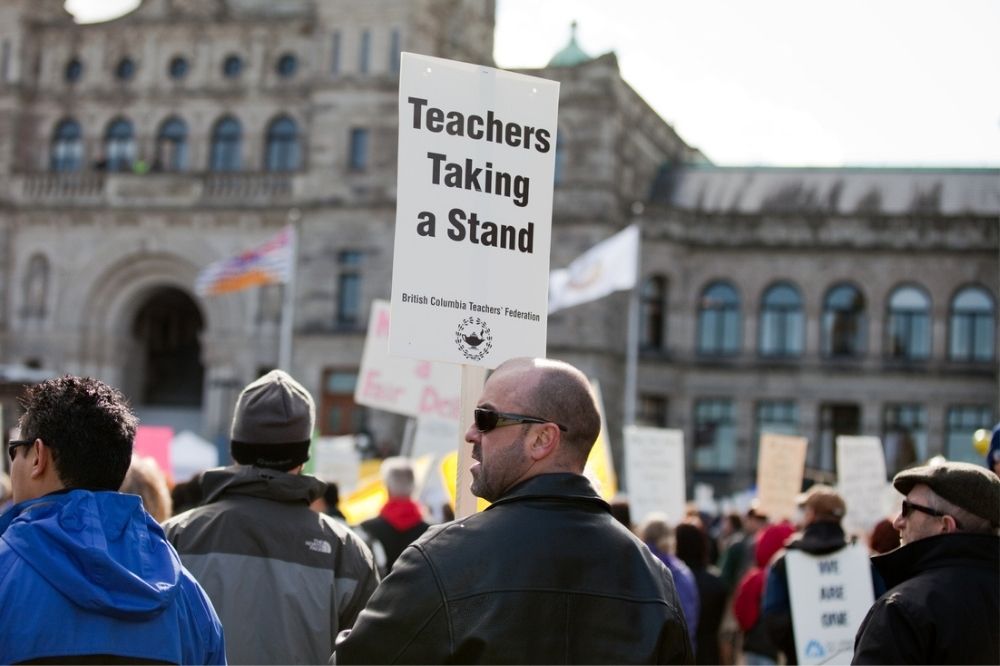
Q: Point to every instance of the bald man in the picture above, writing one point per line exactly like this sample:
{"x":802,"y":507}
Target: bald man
{"x":545,"y":575}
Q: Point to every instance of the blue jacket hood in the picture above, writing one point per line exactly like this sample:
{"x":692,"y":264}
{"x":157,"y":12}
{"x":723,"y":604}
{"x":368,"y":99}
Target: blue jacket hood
{"x":124,"y":566}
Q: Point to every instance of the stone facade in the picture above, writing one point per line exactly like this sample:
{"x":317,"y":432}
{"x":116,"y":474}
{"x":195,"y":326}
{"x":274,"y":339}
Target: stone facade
{"x":103,"y":235}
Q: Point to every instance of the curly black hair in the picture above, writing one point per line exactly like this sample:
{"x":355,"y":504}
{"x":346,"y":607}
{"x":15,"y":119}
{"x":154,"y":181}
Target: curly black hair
{"x":89,"y":427}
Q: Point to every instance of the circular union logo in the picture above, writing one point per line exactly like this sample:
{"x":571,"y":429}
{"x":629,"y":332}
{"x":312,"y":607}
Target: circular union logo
{"x":474,"y":338}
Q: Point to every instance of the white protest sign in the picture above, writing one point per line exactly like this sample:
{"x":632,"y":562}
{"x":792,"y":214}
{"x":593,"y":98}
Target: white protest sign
{"x":830,"y":596}
{"x":780,"y":466}
{"x":434,"y":437}
{"x":337,"y":459}
{"x":654,"y":469}
{"x":861,"y":481}
{"x":470,"y":268}
{"x":403,"y":385}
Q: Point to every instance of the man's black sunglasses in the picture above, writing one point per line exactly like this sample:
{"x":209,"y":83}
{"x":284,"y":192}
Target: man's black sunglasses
{"x":909,"y":507}
{"x":14,"y":443}
{"x":487,"y":419}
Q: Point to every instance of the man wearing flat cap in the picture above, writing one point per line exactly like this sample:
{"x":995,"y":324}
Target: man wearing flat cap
{"x":943,"y":600}
{"x":284,"y":579}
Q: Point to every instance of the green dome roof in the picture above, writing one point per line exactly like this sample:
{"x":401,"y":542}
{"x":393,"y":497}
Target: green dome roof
{"x":571,"y":54}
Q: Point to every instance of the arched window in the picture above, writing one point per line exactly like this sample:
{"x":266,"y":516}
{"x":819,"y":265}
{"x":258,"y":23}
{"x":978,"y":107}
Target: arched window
{"x":66,"y":153}
{"x":125,"y":69}
{"x":282,"y":150}
{"x":781,"y":321}
{"x":119,"y":145}
{"x":653,"y":313}
{"x":843,"y":322}
{"x":909,"y":324}
{"x":226,"y":138}
{"x":287,"y":65}
{"x":972,"y":326}
{"x":232,"y":66}
{"x":171,"y":145}
{"x":73,"y":71}
{"x":719,"y":320}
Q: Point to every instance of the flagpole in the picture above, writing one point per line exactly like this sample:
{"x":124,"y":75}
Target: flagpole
{"x":288,"y":304}
{"x":632,"y":337}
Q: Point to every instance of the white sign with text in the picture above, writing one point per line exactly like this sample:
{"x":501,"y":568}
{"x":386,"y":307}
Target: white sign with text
{"x":861,"y":481}
{"x":654,"y":470}
{"x":404,"y":385}
{"x":830,"y":596}
{"x":473,"y":212}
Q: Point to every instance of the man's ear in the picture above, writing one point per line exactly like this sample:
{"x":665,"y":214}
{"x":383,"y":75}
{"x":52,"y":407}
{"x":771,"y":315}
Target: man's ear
{"x":41,"y":459}
{"x":950,"y":525}
{"x":545,"y":441}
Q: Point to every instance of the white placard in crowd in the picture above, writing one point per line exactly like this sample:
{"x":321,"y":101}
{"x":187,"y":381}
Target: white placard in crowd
{"x":470,"y":268}
{"x":780,"y":467}
{"x":403,"y":385}
{"x":830,"y":596}
{"x":861,"y":481}
{"x":654,"y":470}
{"x":337,"y":459}
{"x":434,"y":437}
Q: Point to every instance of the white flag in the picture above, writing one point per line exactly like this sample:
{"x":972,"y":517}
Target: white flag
{"x":609,"y":266}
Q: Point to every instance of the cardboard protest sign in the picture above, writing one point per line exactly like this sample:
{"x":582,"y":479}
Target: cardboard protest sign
{"x":861,"y":481}
{"x":337,"y":459}
{"x":780,"y":467}
{"x":403,"y":385}
{"x":654,"y":470}
{"x":830,"y":596}
{"x":473,"y":212}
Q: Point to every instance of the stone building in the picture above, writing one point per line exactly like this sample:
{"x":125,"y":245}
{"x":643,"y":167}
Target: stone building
{"x":135,"y":152}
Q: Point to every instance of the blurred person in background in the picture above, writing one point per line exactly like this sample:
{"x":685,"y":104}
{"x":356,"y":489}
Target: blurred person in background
{"x":692,"y":548}
{"x":400,"y":521}
{"x":883,"y":537}
{"x":657,"y":534}
{"x":145,"y":479}
{"x":757,"y":646}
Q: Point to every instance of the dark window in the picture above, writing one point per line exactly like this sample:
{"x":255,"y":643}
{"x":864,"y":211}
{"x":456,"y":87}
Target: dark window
{"x":74,"y":70}
{"x":287,"y":65}
{"x":843,"y":322}
{"x":232,"y":67}
{"x":125,"y":69}
{"x":226,"y":142}
{"x":652,"y":411}
{"x":781,"y":325}
{"x":335,"y":53}
{"x":394,"y":50}
{"x":178,"y":68}
{"x":119,"y":145}
{"x":171,"y":146}
{"x":67,"y":147}
{"x":714,"y":435}
{"x":364,"y":56}
{"x":719,"y":320}
{"x":835,"y":420}
{"x":909,"y":324}
{"x":972,"y":326}
{"x":653,"y":313}
{"x":963,"y":422}
{"x":282,"y":149}
{"x":339,"y":414}
{"x":349,"y":289}
{"x":358,"y":158}
{"x":904,"y":436}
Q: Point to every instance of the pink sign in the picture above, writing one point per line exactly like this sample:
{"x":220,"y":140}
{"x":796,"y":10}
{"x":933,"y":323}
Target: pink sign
{"x":154,"y":442}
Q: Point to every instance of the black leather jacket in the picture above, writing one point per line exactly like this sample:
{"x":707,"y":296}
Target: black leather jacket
{"x":942,"y":607}
{"x":544,"y":575}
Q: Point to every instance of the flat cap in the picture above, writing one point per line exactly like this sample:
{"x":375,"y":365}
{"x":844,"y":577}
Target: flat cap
{"x":967,"y":486}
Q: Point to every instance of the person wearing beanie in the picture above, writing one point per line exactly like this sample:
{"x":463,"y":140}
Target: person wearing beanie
{"x":943,"y":600}
{"x":400,"y":521}
{"x":283,"y":579}
{"x":823,"y":508}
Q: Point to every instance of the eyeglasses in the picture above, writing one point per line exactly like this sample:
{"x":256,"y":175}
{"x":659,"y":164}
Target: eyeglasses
{"x":13,"y":444}
{"x":909,"y":507}
{"x":487,"y":419}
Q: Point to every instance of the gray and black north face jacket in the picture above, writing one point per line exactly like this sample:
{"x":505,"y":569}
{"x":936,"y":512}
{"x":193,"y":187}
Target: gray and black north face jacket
{"x":283,"y":579}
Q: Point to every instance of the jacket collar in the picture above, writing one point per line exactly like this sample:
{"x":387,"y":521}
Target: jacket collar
{"x":260,"y":482}
{"x":564,"y":487}
{"x":956,"y":549}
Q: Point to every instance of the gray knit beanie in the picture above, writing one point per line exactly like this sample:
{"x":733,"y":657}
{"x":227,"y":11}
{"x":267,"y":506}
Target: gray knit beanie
{"x":273,"y":423}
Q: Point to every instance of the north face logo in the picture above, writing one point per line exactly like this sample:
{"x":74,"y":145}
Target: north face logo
{"x":320,"y":546}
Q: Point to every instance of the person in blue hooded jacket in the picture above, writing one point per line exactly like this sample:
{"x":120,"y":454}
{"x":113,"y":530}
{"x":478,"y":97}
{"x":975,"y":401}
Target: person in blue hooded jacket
{"x":86,"y":575}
